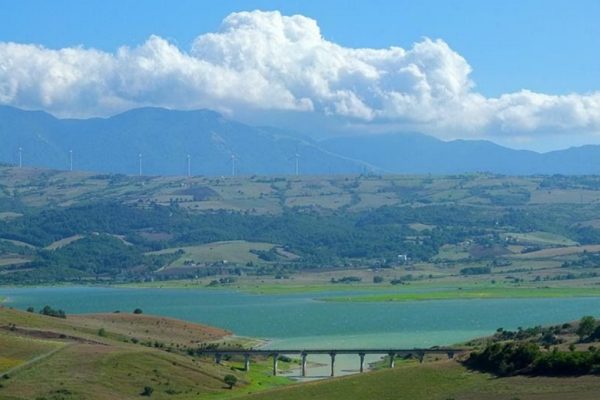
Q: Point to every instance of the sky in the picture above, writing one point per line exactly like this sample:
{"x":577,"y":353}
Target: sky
{"x":521,"y":73}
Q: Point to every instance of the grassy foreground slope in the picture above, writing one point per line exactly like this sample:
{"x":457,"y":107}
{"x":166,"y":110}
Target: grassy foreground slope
{"x":113,"y":356}
{"x":438,"y":381}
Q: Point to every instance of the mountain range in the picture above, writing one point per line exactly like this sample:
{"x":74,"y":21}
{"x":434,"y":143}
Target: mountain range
{"x":220,"y":146}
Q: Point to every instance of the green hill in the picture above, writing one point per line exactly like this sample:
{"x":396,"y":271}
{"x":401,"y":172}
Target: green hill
{"x":84,"y":227}
{"x":110,"y":356}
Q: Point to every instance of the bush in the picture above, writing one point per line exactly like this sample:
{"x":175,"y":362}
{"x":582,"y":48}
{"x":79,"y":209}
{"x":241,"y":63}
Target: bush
{"x":138,"y":311}
{"x":230,"y":380}
{"x":526,"y":358}
{"x":147,"y":391}
{"x":102,"y":332}
{"x":47,"y":310}
{"x":586,"y":327}
{"x":595,"y":336}
{"x":475,"y":271}
{"x":346,"y":279}
{"x":567,"y":363}
{"x":377,"y":279}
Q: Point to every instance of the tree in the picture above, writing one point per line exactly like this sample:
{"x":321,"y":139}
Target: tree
{"x":586,"y":327}
{"x":230,"y":380}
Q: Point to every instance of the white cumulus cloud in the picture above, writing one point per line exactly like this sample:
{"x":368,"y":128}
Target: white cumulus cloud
{"x":265,"y":61}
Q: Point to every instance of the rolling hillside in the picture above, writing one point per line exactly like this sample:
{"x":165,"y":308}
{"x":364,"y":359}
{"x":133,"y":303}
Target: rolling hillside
{"x":58,"y":226}
{"x":105,"y":357}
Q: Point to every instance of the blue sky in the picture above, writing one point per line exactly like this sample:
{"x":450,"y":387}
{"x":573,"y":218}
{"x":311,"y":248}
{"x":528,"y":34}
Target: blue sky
{"x":544,"y":45}
{"x":521,"y":73}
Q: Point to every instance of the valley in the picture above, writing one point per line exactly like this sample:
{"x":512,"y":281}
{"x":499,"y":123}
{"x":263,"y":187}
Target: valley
{"x":404,"y":261}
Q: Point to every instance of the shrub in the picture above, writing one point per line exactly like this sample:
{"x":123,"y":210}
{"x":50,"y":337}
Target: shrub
{"x":567,"y":363}
{"x":475,"y":271}
{"x":147,"y":391}
{"x":230,"y":380}
{"x":47,"y":310}
{"x":505,"y":359}
{"x":586,"y":327}
{"x":138,"y":311}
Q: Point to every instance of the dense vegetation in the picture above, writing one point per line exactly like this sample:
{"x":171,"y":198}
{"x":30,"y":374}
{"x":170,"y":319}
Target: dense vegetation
{"x":319,"y":239}
{"x":536,"y":351}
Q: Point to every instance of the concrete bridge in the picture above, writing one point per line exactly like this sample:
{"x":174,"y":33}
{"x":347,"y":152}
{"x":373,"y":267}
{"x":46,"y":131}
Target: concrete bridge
{"x":392,"y":353}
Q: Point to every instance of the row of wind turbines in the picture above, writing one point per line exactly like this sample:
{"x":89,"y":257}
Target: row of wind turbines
{"x":188,"y":163}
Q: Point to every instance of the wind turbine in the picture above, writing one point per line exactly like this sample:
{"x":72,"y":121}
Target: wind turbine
{"x":140,"y":162}
{"x":233,"y":158}
{"x":189,"y":165}
{"x":296,"y":158}
{"x":20,"y":157}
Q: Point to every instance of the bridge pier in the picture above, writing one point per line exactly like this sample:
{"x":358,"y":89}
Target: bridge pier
{"x":304,"y":355}
{"x":217,"y":358}
{"x":362,"y":362}
{"x":332,"y":354}
{"x":275,"y":359}
{"x":392,"y":359}
{"x":246,"y":362}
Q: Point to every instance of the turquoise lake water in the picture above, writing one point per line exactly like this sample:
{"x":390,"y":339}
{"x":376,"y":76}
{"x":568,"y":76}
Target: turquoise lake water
{"x":302,"y":321}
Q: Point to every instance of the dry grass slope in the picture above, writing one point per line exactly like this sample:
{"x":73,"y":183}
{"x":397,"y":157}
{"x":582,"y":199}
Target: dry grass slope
{"x":50,"y":358}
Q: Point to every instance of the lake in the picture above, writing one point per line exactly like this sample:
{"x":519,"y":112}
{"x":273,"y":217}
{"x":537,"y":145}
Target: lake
{"x":302,"y":321}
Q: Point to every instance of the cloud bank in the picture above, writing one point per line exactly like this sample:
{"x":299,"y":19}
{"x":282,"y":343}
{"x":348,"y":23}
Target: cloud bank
{"x":264,"y":61}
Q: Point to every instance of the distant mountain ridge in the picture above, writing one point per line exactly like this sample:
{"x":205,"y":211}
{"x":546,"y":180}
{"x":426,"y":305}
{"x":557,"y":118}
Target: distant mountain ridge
{"x":166,"y":137}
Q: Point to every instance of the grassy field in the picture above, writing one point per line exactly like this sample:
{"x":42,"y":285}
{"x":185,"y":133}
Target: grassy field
{"x":38,"y":188}
{"x":115,"y":356}
{"x":95,"y":357}
{"x":147,"y":328}
{"x":17,"y":350}
{"x":543,"y":238}
{"x":560,"y":251}
{"x":235,"y":251}
{"x":438,"y":381}
{"x":13,"y":260}
{"x":63,"y":242}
